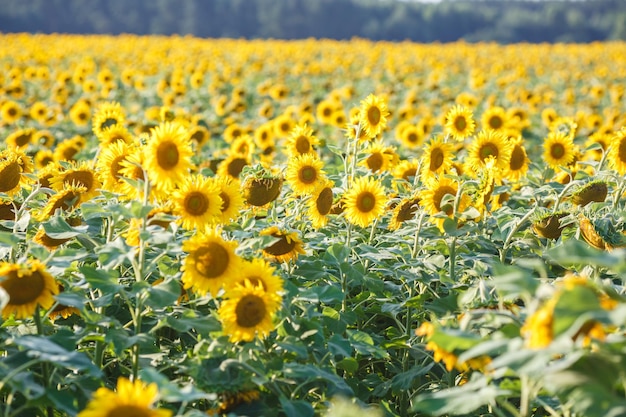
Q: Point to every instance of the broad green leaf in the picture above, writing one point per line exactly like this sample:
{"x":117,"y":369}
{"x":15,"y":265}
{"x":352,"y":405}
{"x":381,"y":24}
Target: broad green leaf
{"x":48,"y":351}
{"x":296,"y":408}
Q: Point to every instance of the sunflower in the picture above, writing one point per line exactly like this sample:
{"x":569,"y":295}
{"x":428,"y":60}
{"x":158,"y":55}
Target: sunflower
{"x":379,"y":157}
{"x":70,"y":197}
{"x":373,"y":115}
{"x":248,"y":312}
{"x":153,"y":218}
{"x":80,"y":113}
{"x":459,"y":122}
{"x":320,"y":204}
{"x":558,"y":150}
{"x":411,"y":137}
{"x":489,"y":144}
{"x":325,"y":110}
{"x":538,"y":330}
{"x":21,"y":138}
{"x":131,"y":399}
{"x":301,"y":141}
{"x":593,"y":191}
{"x":67,"y":149}
{"x":43,"y":158}
{"x":264,"y":136}
{"x":44,"y":138}
{"x":403,"y":211}
{"x":197,"y":202}
{"x":434,"y":197}
{"x":232,"y":166}
{"x":406,"y":170}
{"x":494,"y":118}
{"x":107,"y":115}
{"x":437,"y":158}
{"x":262,"y":188}
{"x":365,"y":201}
{"x":131,"y":168}
{"x":115,"y":133}
{"x":47,"y":241}
{"x":109,"y":165}
{"x":168,"y":155}
{"x":79,"y":174}
{"x":28,"y":285}
{"x":10,"y":111}
{"x":258,"y":273}
{"x":286,"y":246}
{"x":518,"y":164}
{"x":243,"y":146}
{"x":617,"y":152}
{"x":200,"y":135}
{"x":232,"y":132}
{"x":548,"y":225}
{"x":598,"y":138}
{"x":211,"y":262}
{"x":13,"y":165}
{"x":304,"y":173}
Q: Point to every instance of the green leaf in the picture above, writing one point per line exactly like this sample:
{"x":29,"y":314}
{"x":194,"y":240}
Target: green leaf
{"x":454,"y":340}
{"x":327,"y":294}
{"x":348,"y":364}
{"x":511,"y":281}
{"x":574,"y":253}
{"x":58,"y":228}
{"x":101,"y":279}
{"x":296,"y":408}
{"x":47,"y":351}
{"x":404,"y":380}
{"x":572,"y":305}
{"x":163,"y":294}
{"x":171,"y":392}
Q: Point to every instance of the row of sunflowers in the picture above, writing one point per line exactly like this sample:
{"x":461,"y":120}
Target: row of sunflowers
{"x":199,"y":227}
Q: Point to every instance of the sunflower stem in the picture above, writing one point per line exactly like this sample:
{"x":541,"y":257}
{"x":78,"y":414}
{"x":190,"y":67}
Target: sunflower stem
{"x":45,"y":370}
{"x":509,"y":237}
{"x":562,"y":195}
{"x":618,"y":194}
{"x":417,"y":233}
{"x":452,"y":258}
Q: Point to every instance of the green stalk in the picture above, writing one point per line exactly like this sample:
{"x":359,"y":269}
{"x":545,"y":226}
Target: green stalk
{"x":45,"y":370}
{"x":417,"y":233}
{"x":452,"y":258}
{"x":509,"y":237}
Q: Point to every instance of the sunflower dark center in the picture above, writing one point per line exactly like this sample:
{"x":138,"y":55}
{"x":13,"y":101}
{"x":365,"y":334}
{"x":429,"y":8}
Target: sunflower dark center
{"x":129,"y":411}
{"x":116,"y":166}
{"x":23,"y":139}
{"x":440,"y":193}
{"x":373,"y":115}
{"x":225,"y":201}
{"x":517,"y":158}
{"x":236,"y":166}
{"x":324,"y":201}
{"x":10,"y":176}
{"x":196,"y":203}
{"x":495,"y":122}
{"x":436,"y":159}
{"x":211,"y":260}
{"x":167,"y":155}
{"x":412,"y":137}
{"x":407,"y":211}
{"x":409,"y":173}
{"x":250,"y":310}
{"x":12,"y":111}
{"x":80,"y":178}
{"x":557,"y":151}
{"x":488,"y":149}
{"x":281,"y":246}
{"x":622,"y":150}
{"x":460,"y":123}
{"x":307,"y":174}
{"x":302,"y":144}
{"x":365,"y":202}
{"x":327,"y":111}
{"x":108,"y":122}
{"x":375,"y":161}
{"x":24,"y":289}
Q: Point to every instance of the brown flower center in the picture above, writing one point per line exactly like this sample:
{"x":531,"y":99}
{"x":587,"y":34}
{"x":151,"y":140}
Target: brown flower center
{"x":518,"y":156}
{"x":324,"y":201}
{"x":302,"y":144}
{"x":108,"y":122}
{"x":167,"y":155}
{"x":280,"y":247}
{"x":440,"y":193}
{"x":129,"y":411}
{"x":495,"y":122}
{"x":225,"y":201}
{"x":196,"y":203}
{"x":82,"y":178}
{"x":373,"y":115}
{"x":436,"y":159}
{"x":24,"y":289}
{"x":557,"y":151}
{"x":365,"y":202}
{"x":460,"y":123}
{"x":10,"y":176}
{"x":250,"y":310}
{"x":211,"y":260}
{"x":488,"y":149}
{"x":307,"y":174}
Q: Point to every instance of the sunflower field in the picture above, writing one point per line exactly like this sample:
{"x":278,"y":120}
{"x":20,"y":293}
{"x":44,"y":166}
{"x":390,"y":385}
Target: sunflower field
{"x":203,"y":227}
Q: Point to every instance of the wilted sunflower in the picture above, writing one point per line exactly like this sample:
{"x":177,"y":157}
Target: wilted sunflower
{"x":168,"y":155}
{"x":301,"y":141}
{"x":304,"y":173}
{"x":558,"y":150}
{"x":617,"y":152}
{"x":403,"y":211}
{"x":248,"y":312}
{"x":13,"y":165}
{"x":364,"y":201}
{"x":518,"y":164}
{"x":437,"y":158}
{"x":131,"y":399}
{"x":373,"y":115}
{"x":548,"y":225}
{"x":490,"y":144}
{"x":320,"y":204}
{"x":211,"y":262}
{"x":261,"y":188}
{"x":48,"y":241}
{"x":20,"y":138}
{"x":79,"y":174}
{"x":593,"y":191}
{"x":286,"y":247}
{"x":28,"y":285}
{"x":107,"y":114}
{"x":460,"y":122}
{"x":197,"y":201}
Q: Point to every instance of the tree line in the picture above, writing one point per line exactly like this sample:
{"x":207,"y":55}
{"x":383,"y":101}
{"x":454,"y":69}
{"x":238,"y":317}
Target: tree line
{"x":393,"y":20}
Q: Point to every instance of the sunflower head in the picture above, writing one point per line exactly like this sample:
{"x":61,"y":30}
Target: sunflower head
{"x":320,"y":204}
{"x":548,"y":225}
{"x":285,"y":247}
{"x":490,"y":144}
{"x":459,"y":122}
{"x":593,"y":191}
{"x":617,"y":152}
{"x":558,"y":150}
{"x":107,"y":115}
{"x":403,"y":211}
{"x":364,"y":201}
{"x":373,"y":115}
{"x":304,"y":173}
{"x":13,"y":165}
{"x":198,"y":203}
{"x":168,"y":155}
{"x":28,"y":285}
{"x":260,"y":186}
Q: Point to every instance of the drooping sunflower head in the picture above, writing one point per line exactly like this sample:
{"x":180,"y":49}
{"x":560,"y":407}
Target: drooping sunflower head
{"x":109,"y":165}
{"x":548,"y":225}
{"x":248,"y":312}
{"x":68,"y":198}
{"x":28,"y":285}
{"x":168,"y":155}
{"x":320,"y":204}
{"x":373,"y":115}
{"x":198,"y":203}
{"x":364,"y":201}
{"x":131,"y":398}
{"x":107,"y":114}
{"x":593,"y":191}
{"x":304,"y":173}
{"x":115,"y":133}
{"x":13,"y":165}
{"x":617,"y":151}
{"x":211,"y":261}
{"x":301,"y":141}
{"x":459,"y":122}
{"x":285,"y":247}
{"x":437,"y":158}
{"x":260,"y":186}
{"x":403,"y":211}
{"x":558,"y":150}
{"x":489,"y":144}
